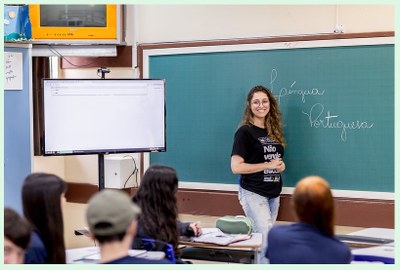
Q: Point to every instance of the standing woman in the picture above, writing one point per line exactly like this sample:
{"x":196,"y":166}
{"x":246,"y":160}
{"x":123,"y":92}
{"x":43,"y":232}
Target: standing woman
{"x":257,"y":156}
{"x":43,"y":196}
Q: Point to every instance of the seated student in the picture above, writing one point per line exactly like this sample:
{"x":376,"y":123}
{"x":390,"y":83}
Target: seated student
{"x":17,"y":233}
{"x":156,"y":198}
{"x":311,"y":240}
{"x":43,"y":196}
{"x":112,"y":220}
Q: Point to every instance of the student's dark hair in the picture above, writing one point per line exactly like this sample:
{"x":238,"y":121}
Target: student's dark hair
{"x":41,"y":195}
{"x":110,"y":238}
{"x":156,"y":197}
{"x":313,"y":204}
{"x":273,"y":123}
{"x":16,"y":229}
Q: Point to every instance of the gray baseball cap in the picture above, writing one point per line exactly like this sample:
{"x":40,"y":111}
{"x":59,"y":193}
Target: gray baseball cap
{"x":110,"y":212}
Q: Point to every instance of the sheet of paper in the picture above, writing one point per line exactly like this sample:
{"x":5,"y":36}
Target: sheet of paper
{"x":216,"y":236}
{"x":375,"y":232}
{"x":13,"y":72}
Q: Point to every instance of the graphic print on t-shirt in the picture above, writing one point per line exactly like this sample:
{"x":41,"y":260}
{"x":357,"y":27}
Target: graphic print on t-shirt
{"x":270,"y":153}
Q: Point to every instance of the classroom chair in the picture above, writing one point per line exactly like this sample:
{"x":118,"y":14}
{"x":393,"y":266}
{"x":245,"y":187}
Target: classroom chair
{"x":372,"y":258}
{"x":155,"y":245}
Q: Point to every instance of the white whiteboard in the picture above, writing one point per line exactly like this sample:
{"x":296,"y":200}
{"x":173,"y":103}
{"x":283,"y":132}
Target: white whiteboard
{"x":103,"y":116}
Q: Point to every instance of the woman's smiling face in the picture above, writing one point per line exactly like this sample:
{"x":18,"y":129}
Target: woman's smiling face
{"x":260,"y":105}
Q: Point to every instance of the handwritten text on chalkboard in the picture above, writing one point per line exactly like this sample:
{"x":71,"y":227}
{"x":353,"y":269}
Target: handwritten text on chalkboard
{"x":317,"y":120}
{"x":283,"y":92}
{"x":316,"y":116}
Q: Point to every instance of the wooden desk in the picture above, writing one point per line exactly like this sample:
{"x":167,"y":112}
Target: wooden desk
{"x":385,"y":251}
{"x":253,"y":244}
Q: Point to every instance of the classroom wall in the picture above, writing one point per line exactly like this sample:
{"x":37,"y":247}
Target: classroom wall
{"x":172,"y":23}
{"x":160,"y":23}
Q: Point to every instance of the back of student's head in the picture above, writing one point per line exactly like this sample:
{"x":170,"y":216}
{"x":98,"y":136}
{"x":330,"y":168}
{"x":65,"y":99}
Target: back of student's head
{"x":17,"y":234}
{"x":156,"y":197}
{"x":159,"y":178}
{"x":109,"y":215}
{"x":41,"y":199}
{"x":157,"y":191}
{"x":313,"y":203}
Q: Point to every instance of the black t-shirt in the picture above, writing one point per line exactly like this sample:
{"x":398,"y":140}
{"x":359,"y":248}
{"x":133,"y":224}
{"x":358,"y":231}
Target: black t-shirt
{"x":253,"y":145}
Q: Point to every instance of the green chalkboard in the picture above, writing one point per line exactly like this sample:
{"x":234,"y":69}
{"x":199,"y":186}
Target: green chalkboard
{"x":337,"y":105}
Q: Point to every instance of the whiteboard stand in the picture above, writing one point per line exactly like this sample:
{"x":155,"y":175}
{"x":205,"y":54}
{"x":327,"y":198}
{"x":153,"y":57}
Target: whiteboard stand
{"x":103,"y":71}
{"x":101,"y":171}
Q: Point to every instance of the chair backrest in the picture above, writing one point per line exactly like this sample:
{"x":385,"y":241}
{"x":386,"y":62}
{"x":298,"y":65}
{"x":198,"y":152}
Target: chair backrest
{"x":372,"y":258}
{"x":150,"y":244}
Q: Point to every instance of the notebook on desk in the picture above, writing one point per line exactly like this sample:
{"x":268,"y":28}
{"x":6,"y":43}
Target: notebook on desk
{"x":369,"y":237}
{"x":217,"y":237}
{"x":364,"y":239}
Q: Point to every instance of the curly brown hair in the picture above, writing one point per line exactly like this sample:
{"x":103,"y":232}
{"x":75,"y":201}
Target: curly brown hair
{"x":273,"y":123}
{"x":156,"y":197}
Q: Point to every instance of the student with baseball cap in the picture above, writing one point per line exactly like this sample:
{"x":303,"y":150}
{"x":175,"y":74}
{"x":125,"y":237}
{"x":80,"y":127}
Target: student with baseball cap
{"x":112,"y":219}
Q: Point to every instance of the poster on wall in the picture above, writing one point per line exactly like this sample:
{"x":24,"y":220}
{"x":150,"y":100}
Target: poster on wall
{"x":13,"y":71}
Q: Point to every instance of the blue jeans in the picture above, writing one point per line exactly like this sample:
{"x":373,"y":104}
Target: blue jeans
{"x":263,"y":211}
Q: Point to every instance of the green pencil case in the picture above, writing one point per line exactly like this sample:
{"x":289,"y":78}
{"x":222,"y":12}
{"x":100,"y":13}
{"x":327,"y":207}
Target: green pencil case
{"x":234,"y":224}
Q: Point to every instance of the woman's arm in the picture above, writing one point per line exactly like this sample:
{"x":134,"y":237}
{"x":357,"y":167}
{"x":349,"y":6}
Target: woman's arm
{"x":189,"y":228}
{"x":238,"y":165}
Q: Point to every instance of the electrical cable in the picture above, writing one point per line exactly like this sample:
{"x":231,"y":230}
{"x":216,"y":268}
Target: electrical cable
{"x":135,"y":169}
{"x":54,"y":50}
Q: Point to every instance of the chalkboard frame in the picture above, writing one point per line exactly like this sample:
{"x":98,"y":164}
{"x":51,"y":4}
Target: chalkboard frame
{"x":328,"y":40}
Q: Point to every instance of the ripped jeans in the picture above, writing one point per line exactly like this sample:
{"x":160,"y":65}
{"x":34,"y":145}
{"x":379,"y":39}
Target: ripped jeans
{"x":263,"y":212}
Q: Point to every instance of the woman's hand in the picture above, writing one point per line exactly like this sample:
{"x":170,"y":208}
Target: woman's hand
{"x":281,"y":167}
{"x":196,"y":228}
{"x":240,"y":167}
{"x":276,"y":164}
